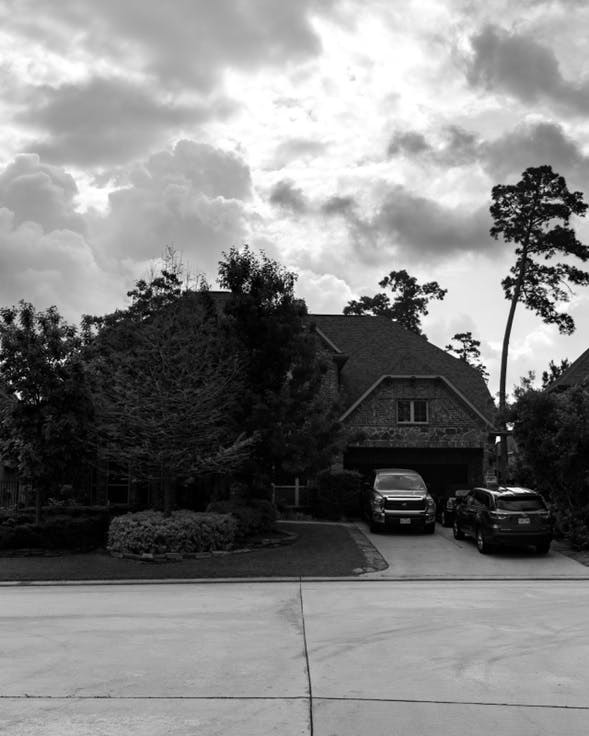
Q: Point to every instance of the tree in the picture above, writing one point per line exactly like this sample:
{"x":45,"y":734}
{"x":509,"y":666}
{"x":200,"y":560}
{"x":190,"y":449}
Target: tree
{"x":467,"y":350}
{"x":45,"y":405}
{"x":535,"y":214}
{"x":167,"y":388}
{"x":551,"y":430}
{"x":554,"y":371}
{"x":282,"y":400}
{"x":410,"y":301}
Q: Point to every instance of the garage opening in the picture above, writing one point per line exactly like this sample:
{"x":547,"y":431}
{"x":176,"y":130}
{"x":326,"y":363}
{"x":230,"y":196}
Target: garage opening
{"x":444,"y":470}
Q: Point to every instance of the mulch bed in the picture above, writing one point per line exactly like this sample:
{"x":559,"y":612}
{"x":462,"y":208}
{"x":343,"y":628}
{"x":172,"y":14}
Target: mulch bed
{"x":318,"y":550}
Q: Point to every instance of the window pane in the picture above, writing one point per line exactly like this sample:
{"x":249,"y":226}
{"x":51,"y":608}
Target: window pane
{"x":419,"y":411}
{"x":404,"y":411}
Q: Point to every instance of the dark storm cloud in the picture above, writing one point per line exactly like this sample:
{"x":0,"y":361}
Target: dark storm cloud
{"x":422,"y":227}
{"x":103,"y":121}
{"x":286,"y":195}
{"x":187,"y":42}
{"x":534,"y":144}
{"x":407,"y":142}
{"x":454,"y":146}
{"x":524,"y":68}
{"x":419,"y":227}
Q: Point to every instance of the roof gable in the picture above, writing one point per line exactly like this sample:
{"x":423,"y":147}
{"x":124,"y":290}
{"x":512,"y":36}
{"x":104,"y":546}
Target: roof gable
{"x":377,"y":347}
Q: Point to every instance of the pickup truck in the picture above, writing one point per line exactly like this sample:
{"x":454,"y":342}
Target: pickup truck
{"x":398,"y":498}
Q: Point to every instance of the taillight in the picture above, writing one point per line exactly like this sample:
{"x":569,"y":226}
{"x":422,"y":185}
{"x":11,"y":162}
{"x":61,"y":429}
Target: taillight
{"x":497,"y":516}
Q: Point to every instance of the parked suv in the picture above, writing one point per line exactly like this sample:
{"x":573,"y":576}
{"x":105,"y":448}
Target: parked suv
{"x":398,"y":498}
{"x":504,"y":516}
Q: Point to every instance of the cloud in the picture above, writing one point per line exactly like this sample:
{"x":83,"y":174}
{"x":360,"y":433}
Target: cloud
{"x":408,"y":142}
{"x":287,"y":196}
{"x":103,"y":121}
{"x":193,"y":197}
{"x":522,"y":67}
{"x":451,"y":146}
{"x":296,"y":149}
{"x":534,"y":144}
{"x":190,"y":42}
{"x":422,"y":227}
{"x":39,"y":192}
{"x":52,"y":268}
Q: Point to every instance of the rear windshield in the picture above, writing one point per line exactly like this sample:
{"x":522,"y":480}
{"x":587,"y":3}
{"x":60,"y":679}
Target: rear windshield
{"x":399,"y":483}
{"x":521,"y":503}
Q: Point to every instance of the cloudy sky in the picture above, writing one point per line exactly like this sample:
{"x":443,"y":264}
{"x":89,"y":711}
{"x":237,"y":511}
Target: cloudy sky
{"x":345,"y":138}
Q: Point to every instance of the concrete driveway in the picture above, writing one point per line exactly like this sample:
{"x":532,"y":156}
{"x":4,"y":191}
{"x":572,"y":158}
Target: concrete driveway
{"x":337,"y":658}
{"x":440,"y":556}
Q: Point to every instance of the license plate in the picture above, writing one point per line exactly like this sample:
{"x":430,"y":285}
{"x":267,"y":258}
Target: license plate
{"x":404,"y":521}
{"x":523,"y":521}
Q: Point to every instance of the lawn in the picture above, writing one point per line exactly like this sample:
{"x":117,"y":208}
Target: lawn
{"x":319,"y":550}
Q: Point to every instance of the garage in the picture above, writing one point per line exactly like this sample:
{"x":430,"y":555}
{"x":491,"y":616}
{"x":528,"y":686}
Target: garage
{"x":443,"y":469}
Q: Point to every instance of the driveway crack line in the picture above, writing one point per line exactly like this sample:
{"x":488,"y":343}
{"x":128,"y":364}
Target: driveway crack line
{"x":310,"y":687}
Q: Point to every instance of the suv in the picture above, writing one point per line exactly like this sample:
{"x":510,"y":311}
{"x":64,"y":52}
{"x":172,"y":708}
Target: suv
{"x":504,"y":516}
{"x":399,"y":498}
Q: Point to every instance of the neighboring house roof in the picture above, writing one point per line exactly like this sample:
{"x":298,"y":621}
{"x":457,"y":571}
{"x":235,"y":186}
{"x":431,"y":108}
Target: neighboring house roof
{"x":575,"y":375}
{"x":378,"y":347}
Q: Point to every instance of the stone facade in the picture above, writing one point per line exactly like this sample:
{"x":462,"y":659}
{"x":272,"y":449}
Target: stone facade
{"x":451,"y":422}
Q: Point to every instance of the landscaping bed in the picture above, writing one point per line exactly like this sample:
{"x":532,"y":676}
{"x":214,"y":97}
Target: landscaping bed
{"x":313,"y":550}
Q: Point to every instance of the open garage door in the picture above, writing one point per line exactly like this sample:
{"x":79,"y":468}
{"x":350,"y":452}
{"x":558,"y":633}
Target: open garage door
{"x":444,"y":470}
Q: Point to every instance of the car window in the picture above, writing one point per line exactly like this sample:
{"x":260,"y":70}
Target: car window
{"x":521,"y":503}
{"x":482,"y":498}
{"x":399,"y":483}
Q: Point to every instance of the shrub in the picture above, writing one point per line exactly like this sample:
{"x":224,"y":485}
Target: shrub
{"x":257,"y":516}
{"x":182,"y":531}
{"x":337,"y":494}
{"x":57,"y":532}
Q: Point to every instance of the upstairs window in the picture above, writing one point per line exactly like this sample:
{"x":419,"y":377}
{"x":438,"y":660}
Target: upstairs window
{"x":412,"y":411}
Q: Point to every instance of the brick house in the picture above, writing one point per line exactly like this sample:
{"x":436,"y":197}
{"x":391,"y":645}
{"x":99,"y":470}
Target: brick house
{"x":407,"y":403}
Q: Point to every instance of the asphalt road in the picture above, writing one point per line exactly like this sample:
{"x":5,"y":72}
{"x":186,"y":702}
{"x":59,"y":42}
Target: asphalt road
{"x":342,"y":658}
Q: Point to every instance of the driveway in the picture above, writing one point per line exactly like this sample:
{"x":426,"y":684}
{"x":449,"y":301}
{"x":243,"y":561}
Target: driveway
{"x":341,"y":658}
{"x":440,"y":556}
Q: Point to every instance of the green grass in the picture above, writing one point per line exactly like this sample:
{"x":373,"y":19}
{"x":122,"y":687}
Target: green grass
{"x":320,"y":550}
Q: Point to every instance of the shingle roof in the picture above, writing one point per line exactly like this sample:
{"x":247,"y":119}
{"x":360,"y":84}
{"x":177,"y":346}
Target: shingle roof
{"x":576,"y":374}
{"x":376,"y":346}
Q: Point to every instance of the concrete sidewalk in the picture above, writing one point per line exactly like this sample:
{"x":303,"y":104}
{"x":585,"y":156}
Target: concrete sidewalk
{"x":330,"y":659}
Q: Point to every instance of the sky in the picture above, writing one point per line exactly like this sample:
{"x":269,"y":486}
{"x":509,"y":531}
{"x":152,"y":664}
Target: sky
{"x":344,"y":138}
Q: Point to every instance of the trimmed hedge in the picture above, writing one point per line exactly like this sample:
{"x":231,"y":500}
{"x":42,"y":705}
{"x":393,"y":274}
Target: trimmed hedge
{"x":58,"y":532}
{"x":257,"y":516}
{"x":150,"y":532}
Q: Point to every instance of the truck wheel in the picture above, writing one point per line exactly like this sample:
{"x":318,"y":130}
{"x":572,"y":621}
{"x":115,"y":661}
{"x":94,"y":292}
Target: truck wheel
{"x":430,"y":528}
{"x":543,"y":549}
{"x":374,"y":527}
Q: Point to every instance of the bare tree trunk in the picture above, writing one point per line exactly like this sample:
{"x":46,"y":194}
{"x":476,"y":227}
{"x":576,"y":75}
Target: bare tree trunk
{"x":503,"y":455}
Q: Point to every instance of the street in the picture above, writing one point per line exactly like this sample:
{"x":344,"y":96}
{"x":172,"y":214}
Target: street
{"x":364,"y":656}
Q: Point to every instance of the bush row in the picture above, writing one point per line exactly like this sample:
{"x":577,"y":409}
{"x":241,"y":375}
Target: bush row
{"x":253,"y":518}
{"x":182,"y":531}
{"x":57,"y":532}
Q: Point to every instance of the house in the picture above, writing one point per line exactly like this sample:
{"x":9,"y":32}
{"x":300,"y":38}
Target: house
{"x":407,"y":403}
{"x":576,"y":374}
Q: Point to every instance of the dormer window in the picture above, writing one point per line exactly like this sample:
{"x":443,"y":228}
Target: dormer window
{"x":412,"y":411}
